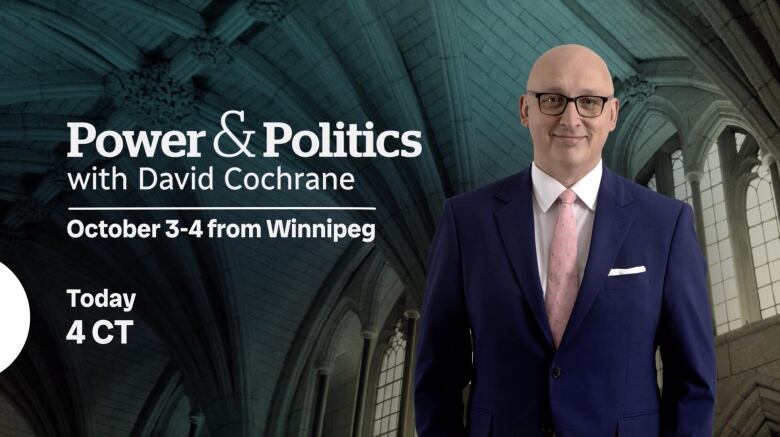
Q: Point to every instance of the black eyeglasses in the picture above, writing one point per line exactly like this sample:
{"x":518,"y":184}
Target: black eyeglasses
{"x":555,"y":104}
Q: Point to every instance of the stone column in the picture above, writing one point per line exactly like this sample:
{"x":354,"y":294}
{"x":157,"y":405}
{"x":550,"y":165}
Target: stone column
{"x":770,"y":161}
{"x":694,"y":179}
{"x":735,"y":184}
{"x":369,"y":342}
{"x":664,"y":174}
{"x":197,"y":417}
{"x":406,"y":416}
{"x":323,"y":372}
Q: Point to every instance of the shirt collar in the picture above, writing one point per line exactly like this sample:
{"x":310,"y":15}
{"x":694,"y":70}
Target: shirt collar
{"x":547,"y":189}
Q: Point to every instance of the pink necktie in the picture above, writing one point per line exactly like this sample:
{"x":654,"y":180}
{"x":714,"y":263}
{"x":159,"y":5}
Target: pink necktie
{"x":562,"y":274}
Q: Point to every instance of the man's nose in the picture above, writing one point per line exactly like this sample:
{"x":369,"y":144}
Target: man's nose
{"x":570,"y":116}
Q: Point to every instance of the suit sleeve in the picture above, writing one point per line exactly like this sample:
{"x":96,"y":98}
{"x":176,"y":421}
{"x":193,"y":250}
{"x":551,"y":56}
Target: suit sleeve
{"x":686,"y":337}
{"x":443,"y":362}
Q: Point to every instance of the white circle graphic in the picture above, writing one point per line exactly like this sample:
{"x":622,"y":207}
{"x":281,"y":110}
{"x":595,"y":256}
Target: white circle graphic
{"x":14,"y":317}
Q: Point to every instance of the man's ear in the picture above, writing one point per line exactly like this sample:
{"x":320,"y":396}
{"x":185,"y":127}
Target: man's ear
{"x":613,"y":116}
{"x":522,"y":106}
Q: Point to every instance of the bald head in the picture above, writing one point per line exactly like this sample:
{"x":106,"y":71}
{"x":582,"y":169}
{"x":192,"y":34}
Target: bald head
{"x":568,"y":144}
{"x":571,"y":66}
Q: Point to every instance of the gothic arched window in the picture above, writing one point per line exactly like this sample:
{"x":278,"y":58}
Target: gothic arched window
{"x":764,"y":241}
{"x":723,"y":278}
{"x":391,"y":375}
{"x":723,"y":282}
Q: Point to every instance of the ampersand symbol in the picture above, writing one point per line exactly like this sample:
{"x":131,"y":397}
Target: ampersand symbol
{"x":243,"y":146}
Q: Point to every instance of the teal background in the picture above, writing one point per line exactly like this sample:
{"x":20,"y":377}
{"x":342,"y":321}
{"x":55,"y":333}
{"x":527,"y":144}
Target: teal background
{"x":281,"y":337}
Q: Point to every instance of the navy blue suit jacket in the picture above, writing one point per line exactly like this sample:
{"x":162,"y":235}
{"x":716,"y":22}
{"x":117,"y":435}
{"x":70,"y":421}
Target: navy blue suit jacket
{"x":483,"y":288}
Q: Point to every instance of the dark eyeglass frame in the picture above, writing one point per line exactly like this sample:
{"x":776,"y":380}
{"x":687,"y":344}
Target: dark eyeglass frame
{"x":604,"y":100}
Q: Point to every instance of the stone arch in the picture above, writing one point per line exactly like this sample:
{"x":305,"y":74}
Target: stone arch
{"x":676,"y":72}
{"x":454,"y":69}
{"x":344,"y":353}
{"x":297,"y":375}
{"x":433,"y":185}
{"x":638,"y":115}
{"x":172,"y":15}
{"x":336,"y":354}
{"x":162,"y":408}
{"x":737,"y":172}
{"x":191,"y":318}
{"x":78,"y":23}
{"x":725,"y":61}
{"x":58,"y":84}
{"x":755,"y":411}
{"x":67,"y":361}
{"x":385,"y":289}
{"x":329,"y":339}
{"x":705,"y":131}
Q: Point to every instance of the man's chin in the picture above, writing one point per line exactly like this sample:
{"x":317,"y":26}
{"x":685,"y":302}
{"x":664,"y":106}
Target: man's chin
{"x":572,"y":157}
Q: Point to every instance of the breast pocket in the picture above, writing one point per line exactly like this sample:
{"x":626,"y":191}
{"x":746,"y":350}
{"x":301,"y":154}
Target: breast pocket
{"x":644,"y":425}
{"x":632,"y":280}
{"x":479,"y":423}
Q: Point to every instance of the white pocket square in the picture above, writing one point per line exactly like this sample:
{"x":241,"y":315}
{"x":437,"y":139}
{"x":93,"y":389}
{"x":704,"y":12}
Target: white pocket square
{"x":628,"y":271}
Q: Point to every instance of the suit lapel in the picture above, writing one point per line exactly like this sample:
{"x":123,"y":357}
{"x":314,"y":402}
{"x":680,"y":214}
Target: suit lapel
{"x":515,"y":222}
{"x":610,"y":227}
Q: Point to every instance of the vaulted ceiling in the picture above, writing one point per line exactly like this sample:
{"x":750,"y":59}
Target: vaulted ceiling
{"x":226,"y":313}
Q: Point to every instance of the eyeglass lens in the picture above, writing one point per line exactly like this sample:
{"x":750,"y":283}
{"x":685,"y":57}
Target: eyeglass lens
{"x":555,"y":104}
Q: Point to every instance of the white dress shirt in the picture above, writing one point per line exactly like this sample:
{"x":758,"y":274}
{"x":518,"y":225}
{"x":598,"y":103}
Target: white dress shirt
{"x":546,"y":190}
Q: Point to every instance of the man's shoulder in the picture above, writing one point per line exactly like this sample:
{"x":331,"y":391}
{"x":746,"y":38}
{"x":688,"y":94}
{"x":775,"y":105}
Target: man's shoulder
{"x":485,"y":195}
{"x":651,"y":201}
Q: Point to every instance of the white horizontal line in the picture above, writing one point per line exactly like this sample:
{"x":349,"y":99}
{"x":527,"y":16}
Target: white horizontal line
{"x":222,"y":208}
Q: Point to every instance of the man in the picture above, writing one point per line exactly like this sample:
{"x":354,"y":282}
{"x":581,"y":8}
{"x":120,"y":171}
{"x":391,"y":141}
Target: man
{"x":565,"y":278}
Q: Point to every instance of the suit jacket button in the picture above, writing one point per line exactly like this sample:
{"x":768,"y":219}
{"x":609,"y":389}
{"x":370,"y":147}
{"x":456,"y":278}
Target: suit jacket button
{"x":556,"y":372}
{"x":547,"y":428}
